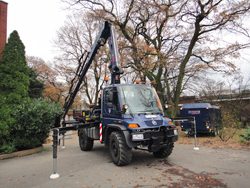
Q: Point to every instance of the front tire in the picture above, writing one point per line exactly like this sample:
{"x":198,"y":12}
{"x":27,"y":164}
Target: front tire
{"x":85,"y":143}
{"x":120,"y":153}
{"x":164,"y":152}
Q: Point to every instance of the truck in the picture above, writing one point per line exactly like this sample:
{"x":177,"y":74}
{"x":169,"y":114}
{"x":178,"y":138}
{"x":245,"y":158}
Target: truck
{"x":207,"y":117}
{"x":126,"y":117}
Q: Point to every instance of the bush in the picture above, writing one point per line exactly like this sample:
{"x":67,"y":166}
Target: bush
{"x":6,"y":119}
{"x":242,"y":141}
{"x":230,"y":124}
{"x":34,"y":121}
{"x":6,"y":148}
{"x":246,"y":136}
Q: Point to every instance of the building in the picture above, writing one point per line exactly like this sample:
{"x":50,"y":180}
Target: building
{"x":3,"y":25}
{"x":225,"y":98}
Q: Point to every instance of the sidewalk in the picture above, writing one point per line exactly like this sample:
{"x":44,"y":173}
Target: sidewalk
{"x":21,"y":153}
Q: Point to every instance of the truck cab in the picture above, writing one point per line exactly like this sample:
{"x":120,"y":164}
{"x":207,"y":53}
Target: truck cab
{"x":136,"y":112}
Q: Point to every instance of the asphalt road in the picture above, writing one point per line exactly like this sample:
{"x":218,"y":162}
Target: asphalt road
{"x":184,"y":168}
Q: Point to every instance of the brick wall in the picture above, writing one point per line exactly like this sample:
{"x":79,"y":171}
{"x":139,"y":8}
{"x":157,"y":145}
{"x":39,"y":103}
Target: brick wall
{"x":3,"y":25}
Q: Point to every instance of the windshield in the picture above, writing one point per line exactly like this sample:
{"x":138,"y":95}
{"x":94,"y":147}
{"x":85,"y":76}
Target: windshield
{"x":140,"y":99}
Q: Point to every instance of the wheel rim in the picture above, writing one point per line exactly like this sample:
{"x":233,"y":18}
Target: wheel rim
{"x":114,"y":149}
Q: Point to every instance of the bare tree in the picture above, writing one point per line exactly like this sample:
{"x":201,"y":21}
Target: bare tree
{"x":169,"y":39}
{"x":54,"y":88}
{"x":73,"y":39}
{"x":233,"y":97}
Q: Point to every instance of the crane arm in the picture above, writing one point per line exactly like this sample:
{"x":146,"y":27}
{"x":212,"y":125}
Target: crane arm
{"x":107,"y":32}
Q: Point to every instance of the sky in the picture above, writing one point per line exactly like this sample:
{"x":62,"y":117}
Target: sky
{"x":36,"y":21}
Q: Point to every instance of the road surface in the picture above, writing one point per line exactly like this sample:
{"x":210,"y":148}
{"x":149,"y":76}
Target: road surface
{"x":185,"y":167}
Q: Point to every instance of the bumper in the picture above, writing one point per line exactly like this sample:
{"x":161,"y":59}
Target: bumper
{"x":156,"y":139}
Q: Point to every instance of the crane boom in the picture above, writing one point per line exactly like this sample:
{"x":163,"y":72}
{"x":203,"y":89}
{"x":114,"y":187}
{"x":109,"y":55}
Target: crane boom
{"x":107,"y":32}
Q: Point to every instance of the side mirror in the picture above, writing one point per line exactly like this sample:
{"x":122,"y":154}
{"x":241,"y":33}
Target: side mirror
{"x":166,"y":106}
{"x":124,"y":108}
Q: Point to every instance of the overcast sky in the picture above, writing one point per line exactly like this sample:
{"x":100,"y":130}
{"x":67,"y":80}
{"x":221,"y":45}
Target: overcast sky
{"x":36,"y":21}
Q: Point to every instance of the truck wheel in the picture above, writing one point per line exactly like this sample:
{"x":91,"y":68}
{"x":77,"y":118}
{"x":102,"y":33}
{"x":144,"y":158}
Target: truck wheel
{"x":164,"y":152}
{"x":86,"y":143}
{"x":120,"y":153}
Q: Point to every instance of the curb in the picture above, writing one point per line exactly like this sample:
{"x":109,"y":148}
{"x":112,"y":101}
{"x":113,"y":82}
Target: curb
{"x":21,"y":153}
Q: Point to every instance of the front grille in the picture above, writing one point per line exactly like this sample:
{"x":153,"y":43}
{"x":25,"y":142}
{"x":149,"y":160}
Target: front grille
{"x":171,"y":132}
{"x":150,"y":123}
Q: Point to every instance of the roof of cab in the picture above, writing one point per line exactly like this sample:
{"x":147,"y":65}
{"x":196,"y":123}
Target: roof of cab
{"x":198,"y":105}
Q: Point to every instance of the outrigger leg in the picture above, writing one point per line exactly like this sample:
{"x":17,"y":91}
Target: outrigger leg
{"x":55,"y":144}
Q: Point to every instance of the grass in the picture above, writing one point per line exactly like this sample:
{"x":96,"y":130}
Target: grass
{"x":236,"y":142}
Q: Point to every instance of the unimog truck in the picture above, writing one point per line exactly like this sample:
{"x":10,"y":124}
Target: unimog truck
{"x":127,"y":116}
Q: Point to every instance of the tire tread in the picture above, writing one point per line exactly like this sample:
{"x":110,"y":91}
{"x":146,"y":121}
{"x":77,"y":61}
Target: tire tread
{"x":125,"y":155}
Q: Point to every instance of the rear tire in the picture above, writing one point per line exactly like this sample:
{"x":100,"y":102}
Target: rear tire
{"x":164,"y":152}
{"x":85,"y":143}
{"x":120,"y":153}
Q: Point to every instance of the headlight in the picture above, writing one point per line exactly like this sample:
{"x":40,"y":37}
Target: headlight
{"x":138,"y":137}
{"x":175,"y":132}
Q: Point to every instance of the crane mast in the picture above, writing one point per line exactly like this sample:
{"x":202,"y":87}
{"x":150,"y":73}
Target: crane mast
{"x":107,"y":32}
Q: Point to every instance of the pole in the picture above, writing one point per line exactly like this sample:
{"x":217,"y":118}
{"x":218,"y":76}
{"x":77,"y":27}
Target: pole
{"x":55,"y":144}
{"x":63,"y":137}
{"x":195,"y":140}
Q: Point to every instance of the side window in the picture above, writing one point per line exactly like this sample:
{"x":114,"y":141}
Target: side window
{"x":111,"y":100}
{"x":108,"y":96}
{"x":115,"y":103}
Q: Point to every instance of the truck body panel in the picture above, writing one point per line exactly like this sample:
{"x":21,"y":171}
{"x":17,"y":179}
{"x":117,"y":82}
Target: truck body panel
{"x":207,"y":117}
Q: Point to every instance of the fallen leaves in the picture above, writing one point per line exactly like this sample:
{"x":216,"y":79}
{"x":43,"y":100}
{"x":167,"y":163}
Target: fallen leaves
{"x":193,"y":179}
{"x":210,"y":141}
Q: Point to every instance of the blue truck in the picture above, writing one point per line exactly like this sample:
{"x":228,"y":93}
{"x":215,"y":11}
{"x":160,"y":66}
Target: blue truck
{"x":127,"y":116}
{"x":207,"y":118}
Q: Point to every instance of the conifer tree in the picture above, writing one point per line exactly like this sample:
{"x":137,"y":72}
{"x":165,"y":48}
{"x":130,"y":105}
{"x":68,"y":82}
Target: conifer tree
{"x":37,"y":86}
{"x":14,"y":81}
{"x":14,"y":73}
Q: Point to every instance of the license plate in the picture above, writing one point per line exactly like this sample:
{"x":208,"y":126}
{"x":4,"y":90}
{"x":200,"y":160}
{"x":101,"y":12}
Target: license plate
{"x":138,"y":137}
